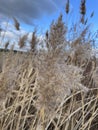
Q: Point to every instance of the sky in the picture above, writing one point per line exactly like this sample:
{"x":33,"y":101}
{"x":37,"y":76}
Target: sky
{"x":40,"y":13}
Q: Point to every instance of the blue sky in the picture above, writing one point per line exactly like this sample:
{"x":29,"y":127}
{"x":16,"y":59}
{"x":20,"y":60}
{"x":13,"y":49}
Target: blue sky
{"x":44,"y":22}
{"x":40,"y":13}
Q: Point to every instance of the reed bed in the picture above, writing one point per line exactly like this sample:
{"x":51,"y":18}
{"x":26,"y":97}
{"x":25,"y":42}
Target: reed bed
{"x":45,"y":92}
{"x":55,"y":88}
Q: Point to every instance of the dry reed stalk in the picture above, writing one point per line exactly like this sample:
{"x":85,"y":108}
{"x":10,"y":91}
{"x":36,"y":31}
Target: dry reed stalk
{"x":33,"y":41}
{"x":57,"y":34}
{"x":6,"y":45}
{"x":92,"y":14}
{"x":22,"y":41}
{"x":83,"y":7}
{"x":16,"y":24}
{"x":47,"y":39}
{"x":67,"y":7}
{"x":22,"y":91}
{"x":83,"y":11}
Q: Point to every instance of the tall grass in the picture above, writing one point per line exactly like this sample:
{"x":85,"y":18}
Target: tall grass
{"x":53,"y":89}
{"x":44,"y":92}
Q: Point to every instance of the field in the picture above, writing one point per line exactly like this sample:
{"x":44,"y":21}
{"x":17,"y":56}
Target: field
{"x":45,"y":91}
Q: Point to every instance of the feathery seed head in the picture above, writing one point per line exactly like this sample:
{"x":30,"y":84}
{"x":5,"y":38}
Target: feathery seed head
{"x":67,"y":7}
{"x":16,"y":24}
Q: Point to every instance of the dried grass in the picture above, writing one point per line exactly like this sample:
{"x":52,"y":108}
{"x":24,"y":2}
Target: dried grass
{"x":50,"y":90}
{"x":16,"y":24}
{"x":43,"y":92}
{"x":22,"y":41}
{"x":33,"y":42}
{"x":67,"y":7}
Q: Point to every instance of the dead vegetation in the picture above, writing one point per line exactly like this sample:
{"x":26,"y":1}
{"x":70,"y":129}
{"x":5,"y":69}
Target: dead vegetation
{"x":45,"y":92}
{"x":53,"y":89}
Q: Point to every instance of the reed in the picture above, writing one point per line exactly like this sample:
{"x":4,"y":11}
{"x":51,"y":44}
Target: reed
{"x":51,"y":90}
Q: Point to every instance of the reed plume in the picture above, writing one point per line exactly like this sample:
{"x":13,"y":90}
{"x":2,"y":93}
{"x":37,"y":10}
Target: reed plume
{"x":16,"y":24}
{"x":33,"y":41}
{"x":22,"y":41}
{"x":67,"y":7}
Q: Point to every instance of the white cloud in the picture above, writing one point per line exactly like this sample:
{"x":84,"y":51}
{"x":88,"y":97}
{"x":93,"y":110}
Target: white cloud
{"x":9,"y":33}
